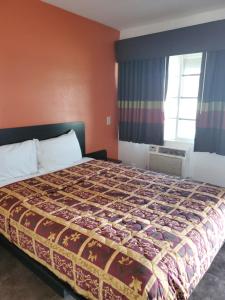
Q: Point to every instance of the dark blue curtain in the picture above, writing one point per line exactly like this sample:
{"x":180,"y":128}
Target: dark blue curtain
{"x":210,"y":123}
{"x":141,"y":90}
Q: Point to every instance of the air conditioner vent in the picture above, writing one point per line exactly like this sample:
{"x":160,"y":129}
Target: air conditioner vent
{"x":168,"y":160}
{"x":172,"y":151}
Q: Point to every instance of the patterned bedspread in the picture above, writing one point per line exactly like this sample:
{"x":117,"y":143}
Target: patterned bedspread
{"x":116,"y":232}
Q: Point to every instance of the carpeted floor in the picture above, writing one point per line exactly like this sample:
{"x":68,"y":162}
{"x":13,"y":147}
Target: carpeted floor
{"x":19,"y":283}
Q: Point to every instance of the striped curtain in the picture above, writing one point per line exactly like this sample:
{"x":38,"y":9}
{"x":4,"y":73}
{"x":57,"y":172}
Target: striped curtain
{"x":210,"y":123}
{"x":141,"y":91}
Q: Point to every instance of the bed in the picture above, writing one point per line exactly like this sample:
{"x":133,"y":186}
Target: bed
{"x":116,"y":232}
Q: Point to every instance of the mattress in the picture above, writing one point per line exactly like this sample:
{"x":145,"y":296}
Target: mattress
{"x":117,"y":232}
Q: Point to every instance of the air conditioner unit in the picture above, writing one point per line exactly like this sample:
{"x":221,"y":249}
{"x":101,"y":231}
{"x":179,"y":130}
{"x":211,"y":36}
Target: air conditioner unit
{"x":168,"y":160}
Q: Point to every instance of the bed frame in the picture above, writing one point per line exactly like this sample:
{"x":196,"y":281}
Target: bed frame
{"x":41,"y":132}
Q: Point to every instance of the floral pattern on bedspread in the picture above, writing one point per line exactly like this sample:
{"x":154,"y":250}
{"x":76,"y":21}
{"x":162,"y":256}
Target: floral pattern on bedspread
{"x":117,"y":232}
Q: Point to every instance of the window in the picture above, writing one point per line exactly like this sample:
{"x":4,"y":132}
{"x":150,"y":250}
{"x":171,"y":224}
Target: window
{"x":181,"y":100}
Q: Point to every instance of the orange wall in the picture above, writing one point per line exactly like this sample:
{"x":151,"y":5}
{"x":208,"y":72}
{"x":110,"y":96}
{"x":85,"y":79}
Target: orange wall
{"x":57,"y":67}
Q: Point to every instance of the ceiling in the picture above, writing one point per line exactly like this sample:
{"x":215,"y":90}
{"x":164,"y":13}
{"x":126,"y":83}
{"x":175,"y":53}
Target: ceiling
{"x":124,"y":14}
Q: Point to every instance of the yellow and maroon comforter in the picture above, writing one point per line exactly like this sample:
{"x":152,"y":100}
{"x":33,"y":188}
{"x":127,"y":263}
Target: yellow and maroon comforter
{"x":116,"y":232}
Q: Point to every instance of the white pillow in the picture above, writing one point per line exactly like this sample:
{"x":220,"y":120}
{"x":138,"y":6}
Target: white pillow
{"x":60,"y":152}
{"x":17,"y":160}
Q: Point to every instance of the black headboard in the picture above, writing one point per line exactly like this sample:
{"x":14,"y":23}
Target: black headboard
{"x":42,"y":132}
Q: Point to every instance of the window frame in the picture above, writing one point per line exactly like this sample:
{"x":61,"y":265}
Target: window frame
{"x":179,"y":98}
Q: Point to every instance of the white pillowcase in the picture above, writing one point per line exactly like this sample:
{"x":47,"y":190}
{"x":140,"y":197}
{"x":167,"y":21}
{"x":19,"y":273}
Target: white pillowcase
{"x":59,"y":152}
{"x":17,"y":160}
